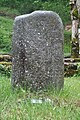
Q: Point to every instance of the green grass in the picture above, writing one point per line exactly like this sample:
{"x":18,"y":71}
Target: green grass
{"x":67,"y":43}
{"x":6,"y":25}
{"x":16,"y":105}
{"x":8,"y":11}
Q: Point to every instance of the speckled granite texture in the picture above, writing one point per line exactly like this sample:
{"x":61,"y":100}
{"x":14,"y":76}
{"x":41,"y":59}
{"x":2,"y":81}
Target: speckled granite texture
{"x":37,"y":47}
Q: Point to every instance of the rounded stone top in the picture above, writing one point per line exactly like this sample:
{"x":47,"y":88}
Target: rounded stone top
{"x":40,"y":13}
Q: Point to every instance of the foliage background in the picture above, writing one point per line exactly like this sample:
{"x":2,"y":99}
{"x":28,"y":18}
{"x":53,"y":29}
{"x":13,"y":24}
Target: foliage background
{"x":27,"y":6}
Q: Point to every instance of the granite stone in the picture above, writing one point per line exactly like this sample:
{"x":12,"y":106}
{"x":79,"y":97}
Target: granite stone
{"x":37,"y":47}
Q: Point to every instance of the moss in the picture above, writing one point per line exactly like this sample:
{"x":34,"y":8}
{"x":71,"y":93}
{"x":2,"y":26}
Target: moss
{"x":75,"y":12}
{"x":75,"y":48}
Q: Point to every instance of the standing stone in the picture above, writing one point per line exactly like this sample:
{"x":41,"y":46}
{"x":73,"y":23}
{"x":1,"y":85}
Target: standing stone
{"x":38,"y":51}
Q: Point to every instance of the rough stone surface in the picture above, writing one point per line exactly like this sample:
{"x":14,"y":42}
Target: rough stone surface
{"x":38,"y":50}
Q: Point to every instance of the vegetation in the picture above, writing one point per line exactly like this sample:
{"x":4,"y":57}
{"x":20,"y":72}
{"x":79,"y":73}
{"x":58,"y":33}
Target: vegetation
{"x":5,"y":69}
{"x":16,"y":105}
{"x":6,"y":25}
{"x":6,"y":11}
{"x":67,"y":43}
{"x":10,"y":9}
{"x":5,"y":34}
{"x":28,"y":6}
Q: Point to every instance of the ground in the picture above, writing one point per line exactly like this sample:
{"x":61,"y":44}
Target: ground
{"x":63,"y":105}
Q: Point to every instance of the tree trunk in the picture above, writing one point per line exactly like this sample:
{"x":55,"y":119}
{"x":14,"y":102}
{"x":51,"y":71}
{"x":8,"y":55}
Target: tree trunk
{"x":78,"y":7}
{"x":75,"y":44}
{"x":75,"y":24}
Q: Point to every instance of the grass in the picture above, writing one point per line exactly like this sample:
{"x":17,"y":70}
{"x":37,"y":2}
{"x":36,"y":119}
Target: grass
{"x":6,"y":11}
{"x":16,"y":105}
{"x":67,"y":43}
{"x":5,"y":34}
{"x":6,"y":25}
